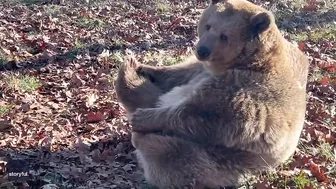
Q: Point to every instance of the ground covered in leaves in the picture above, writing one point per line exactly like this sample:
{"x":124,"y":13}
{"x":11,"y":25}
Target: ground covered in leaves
{"x":58,"y":109}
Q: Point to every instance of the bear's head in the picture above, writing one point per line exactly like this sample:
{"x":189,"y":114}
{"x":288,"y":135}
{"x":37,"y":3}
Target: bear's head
{"x":233,"y":33}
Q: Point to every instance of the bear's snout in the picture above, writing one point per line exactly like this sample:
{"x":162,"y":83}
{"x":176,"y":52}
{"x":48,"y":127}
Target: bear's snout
{"x":203,"y":52}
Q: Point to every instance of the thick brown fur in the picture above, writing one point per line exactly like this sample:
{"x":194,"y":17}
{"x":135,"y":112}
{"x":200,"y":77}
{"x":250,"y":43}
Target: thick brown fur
{"x":238,"y":111}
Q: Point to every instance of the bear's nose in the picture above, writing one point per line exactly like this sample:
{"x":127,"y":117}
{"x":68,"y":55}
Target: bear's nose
{"x":203,"y":52}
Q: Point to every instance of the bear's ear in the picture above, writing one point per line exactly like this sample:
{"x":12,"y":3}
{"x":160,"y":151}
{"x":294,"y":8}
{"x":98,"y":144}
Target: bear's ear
{"x":260,"y":22}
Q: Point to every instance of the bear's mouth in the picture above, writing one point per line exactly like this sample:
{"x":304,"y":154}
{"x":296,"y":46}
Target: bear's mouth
{"x":209,"y":58}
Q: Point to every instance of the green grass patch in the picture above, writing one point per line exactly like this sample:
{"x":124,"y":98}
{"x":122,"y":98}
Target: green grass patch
{"x":315,"y":35}
{"x":22,"y":83}
{"x":325,"y":32}
{"x":163,"y":58}
{"x":162,"y":6}
{"x":298,"y":4}
{"x":3,"y":59}
{"x":78,"y":44}
{"x":326,"y":150}
{"x":172,"y":61}
{"x":5,"y":109}
{"x":301,"y":181}
{"x":53,"y":10}
{"x":116,"y":57}
{"x":89,"y":22}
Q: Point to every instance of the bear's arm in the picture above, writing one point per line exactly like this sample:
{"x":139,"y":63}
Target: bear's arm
{"x":199,"y":117}
{"x":168,"y":77}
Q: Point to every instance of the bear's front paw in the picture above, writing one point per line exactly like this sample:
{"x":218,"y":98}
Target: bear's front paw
{"x":132,"y":67}
{"x":141,"y":121}
{"x":130,"y":64}
{"x":145,"y":71}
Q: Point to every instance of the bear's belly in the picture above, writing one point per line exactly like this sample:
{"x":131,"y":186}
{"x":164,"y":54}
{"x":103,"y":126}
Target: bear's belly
{"x":175,"y":97}
{"x":179,"y":94}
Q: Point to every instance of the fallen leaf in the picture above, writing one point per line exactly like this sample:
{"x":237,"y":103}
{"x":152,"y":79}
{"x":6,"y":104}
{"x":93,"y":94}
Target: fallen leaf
{"x":311,"y":6}
{"x":24,"y":107}
{"x":325,"y":81}
{"x":5,"y":125}
{"x":94,"y":117}
{"x":317,"y":172}
{"x":302,"y":46}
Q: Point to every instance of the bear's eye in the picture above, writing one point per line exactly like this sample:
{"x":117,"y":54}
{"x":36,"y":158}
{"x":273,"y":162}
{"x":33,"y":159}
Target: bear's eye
{"x":207,"y":27}
{"x":223,"y":37}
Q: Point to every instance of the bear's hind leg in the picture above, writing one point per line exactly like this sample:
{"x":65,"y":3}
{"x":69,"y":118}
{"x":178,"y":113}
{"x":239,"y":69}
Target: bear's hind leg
{"x":135,"y":91}
{"x":169,"y":161}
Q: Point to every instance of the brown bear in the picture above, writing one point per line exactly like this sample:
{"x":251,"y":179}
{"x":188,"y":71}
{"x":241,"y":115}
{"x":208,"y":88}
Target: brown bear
{"x":236,"y":109}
